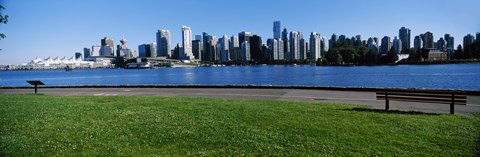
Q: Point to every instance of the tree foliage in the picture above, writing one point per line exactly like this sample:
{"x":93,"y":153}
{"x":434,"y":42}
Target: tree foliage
{"x":3,"y":20}
{"x":391,"y":57}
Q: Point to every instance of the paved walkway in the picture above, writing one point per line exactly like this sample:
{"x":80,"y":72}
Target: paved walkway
{"x":349,"y":97}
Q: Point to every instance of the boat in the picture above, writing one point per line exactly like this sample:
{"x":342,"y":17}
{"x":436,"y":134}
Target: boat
{"x":68,"y":68}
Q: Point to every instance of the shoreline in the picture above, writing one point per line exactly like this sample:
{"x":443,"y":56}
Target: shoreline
{"x":332,"y":88}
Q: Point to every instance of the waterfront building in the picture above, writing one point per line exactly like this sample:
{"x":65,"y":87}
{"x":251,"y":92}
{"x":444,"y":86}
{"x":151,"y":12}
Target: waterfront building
{"x":95,"y":51}
{"x":372,"y":45}
{"x":303,"y":47}
{"x":224,"y":49}
{"x":450,"y":43}
{"x":294,"y":46}
{"x":315,"y":48}
{"x":286,"y":45}
{"x":78,"y":56}
{"x":404,"y":35}
{"x":244,"y":36}
{"x":417,"y":43}
{"x":256,"y":51}
{"x":123,"y":50}
{"x":397,"y":44}
{"x":208,"y":51}
{"x":153,"y":50}
{"x":144,"y":50}
{"x":468,"y":40}
{"x":234,"y":48}
{"x":277,"y":30}
{"x":442,"y":45}
{"x":245,"y":55}
{"x":428,"y":40}
{"x":106,"y":48}
{"x":323,"y":46}
{"x":163,"y":43}
{"x":281,"y":52}
{"x":273,"y":48}
{"x":86,"y":52}
{"x":186,"y":51}
{"x":196,"y":49}
{"x":386,"y":45}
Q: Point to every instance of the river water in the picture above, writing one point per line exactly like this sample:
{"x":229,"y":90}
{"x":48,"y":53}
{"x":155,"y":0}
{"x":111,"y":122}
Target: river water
{"x":445,"y":76}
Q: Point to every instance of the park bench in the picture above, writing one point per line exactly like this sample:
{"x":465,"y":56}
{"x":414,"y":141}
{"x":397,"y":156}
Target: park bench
{"x":425,"y":96}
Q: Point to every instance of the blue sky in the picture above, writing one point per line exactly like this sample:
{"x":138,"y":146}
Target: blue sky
{"x":62,"y":27}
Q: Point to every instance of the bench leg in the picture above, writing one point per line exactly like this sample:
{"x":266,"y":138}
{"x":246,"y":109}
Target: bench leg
{"x":452,"y":108}
{"x":387,"y":104}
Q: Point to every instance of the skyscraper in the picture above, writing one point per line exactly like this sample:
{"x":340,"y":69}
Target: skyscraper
{"x":276,"y":30}
{"x":428,"y":40}
{"x":372,"y":45}
{"x":273,"y":48}
{"x":245,"y":55}
{"x":286,"y":45}
{"x":107,"y":47}
{"x":442,"y":45}
{"x":163,"y":43}
{"x":256,"y":50}
{"x":144,"y":50}
{"x":450,"y":43}
{"x":417,"y":43}
{"x":224,"y":49}
{"x":303,"y":47}
{"x":281,"y":52}
{"x":315,"y":48}
{"x":386,"y":44}
{"x":244,"y":36}
{"x":468,"y":40}
{"x":86,"y":52}
{"x":294,"y":46}
{"x":207,"y":53}
{"x":196,"y":49}
{"x":95,"y":51}
{"x":235,"y":49}
{"x":397,"y":43}
{"x":404,"y":35}
{"x":186,"y":51}
{"x":123,"y":50}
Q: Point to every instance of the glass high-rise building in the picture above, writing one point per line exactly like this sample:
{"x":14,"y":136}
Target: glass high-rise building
{"x":397,"y":44}
{"x":315,"y":48}
{"x":417,"y":43}
{"x":294,"y":46}
{"x":224,"y":49}
{"x":163,"y":43}
{"x":386,"y":44}
{"x":428,"y":40}
{"x":277,"y":30}
{"x":468,"y":40}
{"x":404,"y":35}
{"x":186,"y":51}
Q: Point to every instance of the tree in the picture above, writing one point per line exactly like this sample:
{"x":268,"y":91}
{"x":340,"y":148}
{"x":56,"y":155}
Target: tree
{"x":459,"y":52}
{"x":348,"y":55}
{"x":391,"y":57}
{"x":3,"y":20}
{"x":425,"y":52}
{"x":362,"y":55}
{"x":371,"y":57}
{"x":333,"y":56}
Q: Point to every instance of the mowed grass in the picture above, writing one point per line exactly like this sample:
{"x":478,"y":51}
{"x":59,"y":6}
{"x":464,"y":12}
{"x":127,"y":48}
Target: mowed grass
{"x":43,"y":125}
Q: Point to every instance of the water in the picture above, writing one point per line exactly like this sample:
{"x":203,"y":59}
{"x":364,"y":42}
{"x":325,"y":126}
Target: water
{"x":456,"y":76}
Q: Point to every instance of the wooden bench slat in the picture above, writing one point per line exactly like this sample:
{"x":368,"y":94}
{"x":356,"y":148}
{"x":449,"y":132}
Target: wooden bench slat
{"x":426,"y":100}
{"x":427,"y":95}
{"x":446,"y":99}
{"x":423,"y":91}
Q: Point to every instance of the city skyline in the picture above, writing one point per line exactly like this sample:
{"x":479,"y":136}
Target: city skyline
{"x":63,"y":35}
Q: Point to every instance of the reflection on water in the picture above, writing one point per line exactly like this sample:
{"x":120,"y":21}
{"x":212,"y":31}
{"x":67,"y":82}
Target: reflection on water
{"x":454,"y":76}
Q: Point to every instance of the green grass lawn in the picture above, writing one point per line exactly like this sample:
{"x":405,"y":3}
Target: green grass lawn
{"x":43,"y":125}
